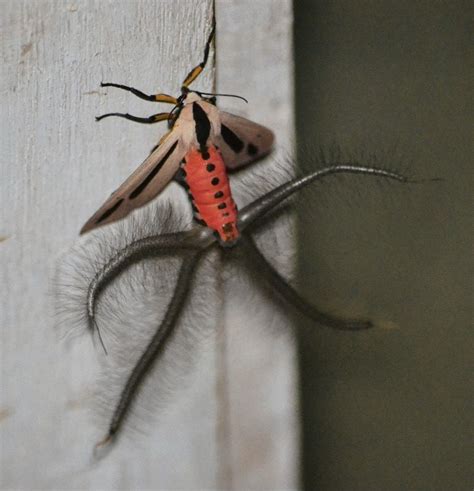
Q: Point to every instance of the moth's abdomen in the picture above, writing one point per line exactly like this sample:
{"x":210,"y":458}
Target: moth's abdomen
{"x":206,"y":176}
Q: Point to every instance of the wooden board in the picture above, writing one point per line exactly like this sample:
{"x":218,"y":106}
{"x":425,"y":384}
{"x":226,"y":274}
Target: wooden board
{"x":254,"y":59}
{"x":57,"y":167}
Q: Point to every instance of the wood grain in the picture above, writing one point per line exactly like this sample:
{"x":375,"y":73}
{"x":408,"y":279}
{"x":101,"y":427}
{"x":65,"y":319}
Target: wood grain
{"x":57,"y":167}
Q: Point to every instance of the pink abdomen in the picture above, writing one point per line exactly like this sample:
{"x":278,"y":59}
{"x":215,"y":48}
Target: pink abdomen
{"x":206,"y":176}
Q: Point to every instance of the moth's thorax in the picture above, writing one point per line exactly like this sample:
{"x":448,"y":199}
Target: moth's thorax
{"x":187,"y":121}
{"x":208,"y":183}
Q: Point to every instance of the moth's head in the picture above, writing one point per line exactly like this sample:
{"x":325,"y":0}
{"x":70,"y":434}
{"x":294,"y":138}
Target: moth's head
{"x":189,"y":96}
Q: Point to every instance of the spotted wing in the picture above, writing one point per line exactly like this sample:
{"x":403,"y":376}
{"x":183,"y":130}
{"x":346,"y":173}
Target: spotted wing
{"x":242,"y":141}
{"x":144,"y":184}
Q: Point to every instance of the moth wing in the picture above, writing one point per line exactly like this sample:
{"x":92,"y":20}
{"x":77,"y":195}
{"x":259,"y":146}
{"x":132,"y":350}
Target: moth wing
{"x":242,"y":141}
{"x":146,"y":182}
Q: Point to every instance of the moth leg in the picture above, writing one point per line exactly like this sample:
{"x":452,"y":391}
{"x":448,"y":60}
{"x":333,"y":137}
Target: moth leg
{"x":290,"y":295}
{"x":168,"y":99}
{"x":197,"y":70}
{"x":261,"y":206}
{"x":155,"y":348}
{"x":154,"y":118}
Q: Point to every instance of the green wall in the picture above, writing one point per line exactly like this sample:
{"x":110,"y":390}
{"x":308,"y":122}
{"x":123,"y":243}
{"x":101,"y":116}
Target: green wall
{"x":390,"y":408}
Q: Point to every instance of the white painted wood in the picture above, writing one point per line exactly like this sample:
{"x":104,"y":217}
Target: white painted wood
{"x":254,"y":59}
{"x":57,"y":165}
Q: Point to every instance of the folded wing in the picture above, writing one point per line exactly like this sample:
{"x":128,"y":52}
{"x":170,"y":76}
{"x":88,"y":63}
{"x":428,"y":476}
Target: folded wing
{"x":242,"y":141}
{"x":144,"y":184}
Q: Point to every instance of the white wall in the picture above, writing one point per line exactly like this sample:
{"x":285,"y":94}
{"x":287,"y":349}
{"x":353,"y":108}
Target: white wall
{"x":233,"y":426}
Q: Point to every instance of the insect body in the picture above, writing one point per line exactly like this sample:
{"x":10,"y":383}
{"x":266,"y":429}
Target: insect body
{"x":205,"y":175}
{"x":203,"y":142}
{"x":197,"y":130}
{"x":192,"y":246}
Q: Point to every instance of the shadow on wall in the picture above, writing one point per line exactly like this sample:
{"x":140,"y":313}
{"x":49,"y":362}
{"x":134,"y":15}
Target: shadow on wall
{"x":388,"y":408}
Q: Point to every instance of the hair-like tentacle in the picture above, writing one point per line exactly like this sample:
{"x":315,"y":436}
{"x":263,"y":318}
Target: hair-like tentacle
{"x":269,"y":201}
{"x":290,"y":295}
{"x":155,"y":347}
{"x":168,"y":244}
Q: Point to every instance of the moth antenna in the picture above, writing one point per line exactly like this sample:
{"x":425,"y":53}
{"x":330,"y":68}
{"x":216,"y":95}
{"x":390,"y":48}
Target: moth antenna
{"x":223,"y":95}
{"x":291,"y":296}
{"x":269,"y":201}
{"x":154,"y":349}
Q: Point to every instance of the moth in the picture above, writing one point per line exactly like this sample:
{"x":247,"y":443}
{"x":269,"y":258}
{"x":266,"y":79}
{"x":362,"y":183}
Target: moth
{"x":201,"y":144}
{"x":192,"y":246}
